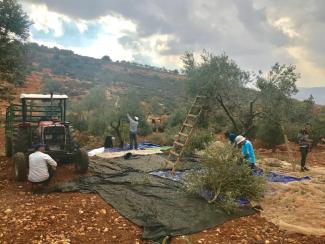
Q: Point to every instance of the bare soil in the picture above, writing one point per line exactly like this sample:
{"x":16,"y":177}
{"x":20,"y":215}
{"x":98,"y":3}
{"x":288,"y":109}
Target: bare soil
{"x":86,"y":218}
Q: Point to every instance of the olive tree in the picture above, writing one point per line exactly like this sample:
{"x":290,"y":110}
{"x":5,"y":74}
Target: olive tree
{"x":225,"y":84}
{"x":14,"y":26}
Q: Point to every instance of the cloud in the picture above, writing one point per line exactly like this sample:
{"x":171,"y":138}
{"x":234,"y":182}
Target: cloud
{"x":255,"y":33}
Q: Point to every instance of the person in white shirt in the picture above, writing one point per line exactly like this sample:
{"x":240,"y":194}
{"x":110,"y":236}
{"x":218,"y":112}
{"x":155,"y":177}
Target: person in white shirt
{"x":41,"y":165}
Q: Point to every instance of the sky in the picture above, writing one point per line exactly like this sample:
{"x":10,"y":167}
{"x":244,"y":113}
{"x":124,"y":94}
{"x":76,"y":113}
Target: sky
{"x":254,"y":33}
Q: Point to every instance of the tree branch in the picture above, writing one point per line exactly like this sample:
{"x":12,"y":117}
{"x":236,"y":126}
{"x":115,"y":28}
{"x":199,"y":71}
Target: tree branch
{"x":220,"y":100}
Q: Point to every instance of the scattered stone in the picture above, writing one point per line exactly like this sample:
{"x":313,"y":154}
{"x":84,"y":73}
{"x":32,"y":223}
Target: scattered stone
{"x":8,"y":211}
{"x":258,"y":237}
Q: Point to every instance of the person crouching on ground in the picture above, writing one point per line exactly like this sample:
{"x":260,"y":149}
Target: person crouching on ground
{"x":247,"y":150}
{"x":41,"y":166}
{"x":305,"y":147}
{"x":133,"y":131}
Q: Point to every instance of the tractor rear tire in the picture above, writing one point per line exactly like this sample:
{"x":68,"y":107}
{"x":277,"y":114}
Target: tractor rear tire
{"x":20,"y":140}
{"x":20,"y":166}
{"x":82,"y":161}
{"x":8,"y":147}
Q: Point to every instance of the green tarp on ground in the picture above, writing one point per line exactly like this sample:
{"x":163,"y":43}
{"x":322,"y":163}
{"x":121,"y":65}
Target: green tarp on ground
{"x":159,"y":205}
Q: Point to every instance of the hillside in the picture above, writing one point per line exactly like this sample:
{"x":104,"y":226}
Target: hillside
{"x":317,"y":92}
{"x":77,"y":74}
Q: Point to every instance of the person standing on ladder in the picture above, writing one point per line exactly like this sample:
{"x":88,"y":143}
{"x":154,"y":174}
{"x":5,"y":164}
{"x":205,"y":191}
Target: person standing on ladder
{"x":133,"y":129}
{"x":305,"y":147}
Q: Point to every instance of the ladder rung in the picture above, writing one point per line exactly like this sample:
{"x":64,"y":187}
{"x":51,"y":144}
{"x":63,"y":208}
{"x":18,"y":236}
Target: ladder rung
{"x":188,"y":125}
{"x":174,"y":153}
{"x":183,"y":134}
{"x":201,"y":96}
{"x":192,"y":115}
{"x":179,"y":144}
{"x":196,"y":106}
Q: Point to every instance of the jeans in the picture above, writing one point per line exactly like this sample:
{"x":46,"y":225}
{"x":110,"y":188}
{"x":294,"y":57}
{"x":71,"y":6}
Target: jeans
{"x":304,"y":152}
{"x":133,"y":140}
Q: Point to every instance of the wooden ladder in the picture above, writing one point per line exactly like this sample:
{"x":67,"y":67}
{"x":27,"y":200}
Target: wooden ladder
{"x":184,"y":135}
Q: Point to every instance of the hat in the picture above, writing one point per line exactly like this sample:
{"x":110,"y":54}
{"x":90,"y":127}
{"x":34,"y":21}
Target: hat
{"x":239,"y":139}
{"x":38,"y":145}
{"x":136,"y":118}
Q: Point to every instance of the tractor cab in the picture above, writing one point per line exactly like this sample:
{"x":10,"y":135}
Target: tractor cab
{"x":43,"y":107}
{"x":46,"y":112}
{"x":41,"y":118}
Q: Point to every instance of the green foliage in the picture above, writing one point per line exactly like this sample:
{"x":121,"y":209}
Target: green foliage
{"x":224,"y":174}
{"x":177,"y":117}
{"x":14,"y":25}
{"x":97,"y":114}
{"x":166,"y":138}
{"x":13,"y":20}
{"x":223,"y":82}
{"x":276,"y":90}
{"x":200,"y":139}
{"x":107,"y":58}
{"x":270,"y":133}
{"x":53,"y":86}
{"x":146,"y":81}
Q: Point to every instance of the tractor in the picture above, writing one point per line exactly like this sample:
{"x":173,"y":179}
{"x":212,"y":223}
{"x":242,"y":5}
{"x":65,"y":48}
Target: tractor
{"x":41,"y":118}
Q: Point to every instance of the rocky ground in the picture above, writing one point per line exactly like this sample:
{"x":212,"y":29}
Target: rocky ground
{"x":86,"y":218}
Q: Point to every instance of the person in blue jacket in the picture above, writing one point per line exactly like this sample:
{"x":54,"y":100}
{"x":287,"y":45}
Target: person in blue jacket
{"x":247,"y":150}
{"x":231,"y":137}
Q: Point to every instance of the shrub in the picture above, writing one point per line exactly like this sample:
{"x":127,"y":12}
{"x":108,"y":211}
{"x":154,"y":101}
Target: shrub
{"x":225,"y":175}
{"x":163,"y":139}
{"x":270,"y":133}
{"x":144,"y":128}
{"x":54,"y":86}
{"x":199,"y":140}
{"x":177,"y":117}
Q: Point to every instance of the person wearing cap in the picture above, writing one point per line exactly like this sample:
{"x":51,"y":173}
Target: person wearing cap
{"x":41,"y":165}
{"x":231,"y":137}
{"x":247,"y":150}
{"x":133,"y":129}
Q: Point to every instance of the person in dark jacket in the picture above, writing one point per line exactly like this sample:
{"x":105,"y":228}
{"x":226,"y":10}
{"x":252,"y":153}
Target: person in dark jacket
{"x":305,"y":146}
{"x":231,"y":137}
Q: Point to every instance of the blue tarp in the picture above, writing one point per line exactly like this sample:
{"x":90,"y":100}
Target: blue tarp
{"x":141,"y":145}
{"x":272,"y":176}
{"x":275,"y":177}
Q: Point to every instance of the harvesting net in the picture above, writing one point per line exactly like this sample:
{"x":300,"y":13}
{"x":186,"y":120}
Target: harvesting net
{"x":161,"y":206}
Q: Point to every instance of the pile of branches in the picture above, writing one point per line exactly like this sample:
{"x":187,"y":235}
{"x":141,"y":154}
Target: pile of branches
{"x":225,"y":174}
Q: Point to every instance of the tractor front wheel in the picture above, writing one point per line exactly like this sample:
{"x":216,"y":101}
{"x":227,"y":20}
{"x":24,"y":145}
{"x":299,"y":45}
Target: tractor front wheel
{"x":20,"y":165}
{"x":82,"y":161}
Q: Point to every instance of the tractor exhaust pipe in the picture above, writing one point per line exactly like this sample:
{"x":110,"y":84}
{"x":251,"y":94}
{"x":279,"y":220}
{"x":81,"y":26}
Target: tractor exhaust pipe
{"x":51,"y":111}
